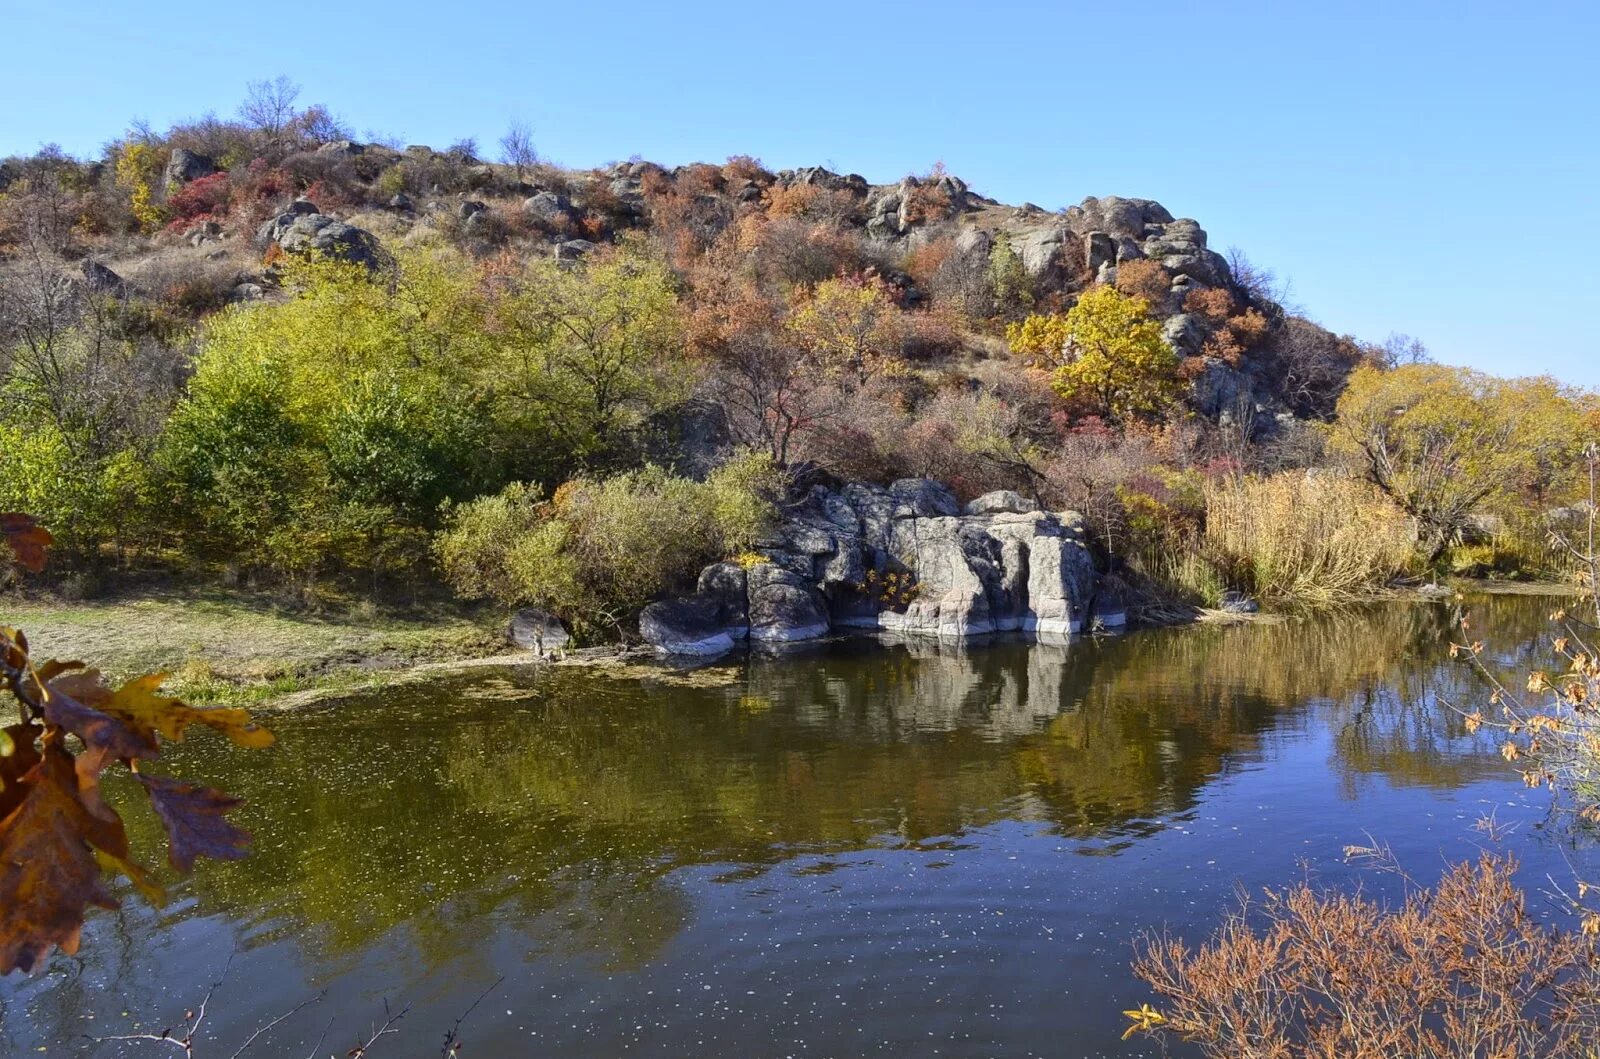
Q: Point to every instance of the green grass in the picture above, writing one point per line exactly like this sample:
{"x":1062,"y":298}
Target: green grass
{"x":241,"y":649}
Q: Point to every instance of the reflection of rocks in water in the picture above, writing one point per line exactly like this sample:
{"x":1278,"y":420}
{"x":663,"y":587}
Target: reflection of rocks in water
{"x":995,"y":689}
{"x":428,"y":808}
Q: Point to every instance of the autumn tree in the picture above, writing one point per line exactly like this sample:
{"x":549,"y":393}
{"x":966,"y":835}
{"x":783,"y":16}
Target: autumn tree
{"x":1106,"y":354}
{"x":1009,"y":281}
{"x":593,"y":347}
{"x":137,"y":168}
{"x":849,"y":328}
{"x":1436,"y":439}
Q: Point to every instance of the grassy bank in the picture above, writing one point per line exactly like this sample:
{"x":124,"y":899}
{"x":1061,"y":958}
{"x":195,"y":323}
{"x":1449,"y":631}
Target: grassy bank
{"x":241,"y":649}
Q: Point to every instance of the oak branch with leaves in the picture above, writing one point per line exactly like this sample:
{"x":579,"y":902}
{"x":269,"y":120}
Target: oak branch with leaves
{"x":58,"y":835}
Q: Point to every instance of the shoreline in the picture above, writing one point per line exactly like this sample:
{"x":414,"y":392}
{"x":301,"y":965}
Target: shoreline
{"x":224,"y":647}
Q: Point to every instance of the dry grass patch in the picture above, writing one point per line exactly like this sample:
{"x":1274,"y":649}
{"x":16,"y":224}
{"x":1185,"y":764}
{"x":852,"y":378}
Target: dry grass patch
{"x":1305,"y":538}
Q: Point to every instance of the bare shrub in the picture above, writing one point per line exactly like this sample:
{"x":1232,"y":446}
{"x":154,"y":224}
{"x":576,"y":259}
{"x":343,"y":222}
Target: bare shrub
{"x":742,"y":167}
{"x":1458,"y":970}
{"x":1088,"y":474}
{"x":1146,"y":279}
{"x":1311,"y":365}
{"x":812,"y":202}
{"x":516,"y":148}
{"x":792,"y":252}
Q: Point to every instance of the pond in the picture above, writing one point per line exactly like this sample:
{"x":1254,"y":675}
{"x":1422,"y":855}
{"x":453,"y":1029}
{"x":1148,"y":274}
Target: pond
{"x":854,"y":850}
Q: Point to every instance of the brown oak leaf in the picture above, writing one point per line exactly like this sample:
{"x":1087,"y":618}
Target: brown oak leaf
{"x":48,"y":874}
{"x":193,"y":816}
{"x":95,"y":728}
{"x":149,"y":713}
{"x":27,"y":538}
{"x":16,"y":765}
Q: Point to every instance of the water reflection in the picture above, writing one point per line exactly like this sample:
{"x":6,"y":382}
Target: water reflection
{"x":402,"y":838}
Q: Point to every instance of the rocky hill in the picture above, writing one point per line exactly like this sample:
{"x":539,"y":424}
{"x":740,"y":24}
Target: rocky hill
{"x":926,"y":236}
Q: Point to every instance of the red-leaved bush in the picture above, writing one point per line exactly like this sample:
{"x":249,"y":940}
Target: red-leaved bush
{"x":199,"y":200}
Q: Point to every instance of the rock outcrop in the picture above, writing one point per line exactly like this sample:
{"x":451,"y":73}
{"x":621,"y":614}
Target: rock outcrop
{"x":904,"y":558}
{"x":184,"y":166}
{"x":302,"y":229}
{"x":537,"y":631}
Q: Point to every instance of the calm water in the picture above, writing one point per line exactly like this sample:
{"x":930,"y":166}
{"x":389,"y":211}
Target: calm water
{"x":859,"y":850}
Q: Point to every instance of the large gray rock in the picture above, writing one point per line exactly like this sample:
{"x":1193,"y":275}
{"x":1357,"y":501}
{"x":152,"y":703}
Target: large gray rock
{"x":546,"y":206}
{"x":1184,"y":333}
{"x":184,"y":166}
{"x":1039,"y":249}
{"x":953,"y":571}
{"x":922,"y":498}
{"x":996,"y":573}
{"x":302,"y":230}
{"x":537,"y":631}
{"x":1061,"y":579}
{"x":1002,"y":566}
{"x":101,"y":279}
{"x":1001,"y":501}
{"x":726,"y":585}
{"x":1219,"y":389}
{"x":573,"y":249}
{"x":784,"y":606}
{"x":686,"y":627}
{"x":1100,"y":250}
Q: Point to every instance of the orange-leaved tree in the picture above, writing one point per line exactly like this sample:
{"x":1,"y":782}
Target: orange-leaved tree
{"x":57,"y":833}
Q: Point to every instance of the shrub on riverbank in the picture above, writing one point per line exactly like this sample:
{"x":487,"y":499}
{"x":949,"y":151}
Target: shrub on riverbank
{"x":1304,"y":538}
{"x":601,"y":548}
{"x":1460,"y":969}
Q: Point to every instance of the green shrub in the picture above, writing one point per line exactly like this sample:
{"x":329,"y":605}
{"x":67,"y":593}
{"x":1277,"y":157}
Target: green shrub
{"x":600,"y":549}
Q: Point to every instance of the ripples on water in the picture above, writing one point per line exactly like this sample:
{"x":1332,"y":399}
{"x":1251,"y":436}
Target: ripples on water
{"x":856,"y":850}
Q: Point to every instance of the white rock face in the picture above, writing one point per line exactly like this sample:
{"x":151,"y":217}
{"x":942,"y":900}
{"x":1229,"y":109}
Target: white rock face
{"x":1003,"y":566}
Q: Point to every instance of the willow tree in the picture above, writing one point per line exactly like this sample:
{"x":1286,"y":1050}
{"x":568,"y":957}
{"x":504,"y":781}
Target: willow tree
{"x":1438,"y":440}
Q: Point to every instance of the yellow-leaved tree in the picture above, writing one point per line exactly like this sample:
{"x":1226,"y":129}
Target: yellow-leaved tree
{"x":1107,"y":355}
{"x":1438,"y":440}
{"x":137,"y":169}
{"x":850,"y":328}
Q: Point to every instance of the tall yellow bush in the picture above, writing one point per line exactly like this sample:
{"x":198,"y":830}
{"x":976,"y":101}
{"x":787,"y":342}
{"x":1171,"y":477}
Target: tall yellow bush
{"x":136,"y":170}
{"x":1305,"y":538}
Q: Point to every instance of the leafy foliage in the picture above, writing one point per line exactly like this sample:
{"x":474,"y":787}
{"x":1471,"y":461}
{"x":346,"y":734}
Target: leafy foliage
{"x":136,"y":169}
{"x":850,"y":328}
{"x":600,"y":549}
{"x":57,"y":834}
{"x":1107,"y":355}
{"x":1443,"y":442}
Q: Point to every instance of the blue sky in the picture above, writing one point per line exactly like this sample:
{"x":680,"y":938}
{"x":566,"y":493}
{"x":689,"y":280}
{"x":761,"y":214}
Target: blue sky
{"x":1428,"y":168}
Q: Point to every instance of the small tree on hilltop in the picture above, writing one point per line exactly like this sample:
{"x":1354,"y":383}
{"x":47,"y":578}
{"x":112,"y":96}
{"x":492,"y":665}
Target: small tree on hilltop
{"x":268,"y":108}
{"x":516,"y":147}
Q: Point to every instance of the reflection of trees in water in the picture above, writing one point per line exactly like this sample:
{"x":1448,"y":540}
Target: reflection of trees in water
{"x":564,"y":813}
{"x":1400,"y":728}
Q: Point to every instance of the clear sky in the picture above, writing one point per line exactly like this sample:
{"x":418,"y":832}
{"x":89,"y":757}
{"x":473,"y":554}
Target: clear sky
{"x":1427,"y":168}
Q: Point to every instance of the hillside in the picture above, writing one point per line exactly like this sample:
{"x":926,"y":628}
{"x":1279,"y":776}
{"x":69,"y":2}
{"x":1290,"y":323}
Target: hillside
{"x":214,"y":214}
{"x":266,"y":353}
